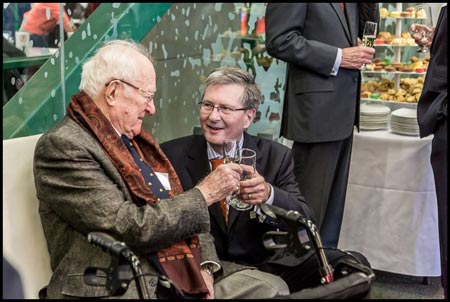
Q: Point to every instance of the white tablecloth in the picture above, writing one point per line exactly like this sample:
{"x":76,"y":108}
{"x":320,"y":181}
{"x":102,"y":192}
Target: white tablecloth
{"x":390,"y":214}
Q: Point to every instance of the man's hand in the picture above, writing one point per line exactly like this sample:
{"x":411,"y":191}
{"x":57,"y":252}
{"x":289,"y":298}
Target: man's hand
{"x":220,"y":183}
{"x":355,"y":57}
{"x":254,"y":189}
{"x":422,"y":34}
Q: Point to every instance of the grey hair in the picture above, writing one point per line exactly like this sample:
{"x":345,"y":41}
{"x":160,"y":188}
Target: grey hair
{"x":251,"y":98}
{"x":110,"y":61}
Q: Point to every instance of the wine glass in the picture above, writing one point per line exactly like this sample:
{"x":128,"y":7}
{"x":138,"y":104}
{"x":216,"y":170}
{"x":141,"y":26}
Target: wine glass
{"x":369,"y":35}
{"x":423,"y":16}
{"x":245,"y":157}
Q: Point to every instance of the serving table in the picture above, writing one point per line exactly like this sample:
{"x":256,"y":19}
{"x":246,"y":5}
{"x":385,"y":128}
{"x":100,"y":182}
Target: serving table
{"x":390,"y":213}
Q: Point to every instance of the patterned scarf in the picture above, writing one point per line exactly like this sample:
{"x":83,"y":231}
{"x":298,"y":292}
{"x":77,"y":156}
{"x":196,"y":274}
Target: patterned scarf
{"x":181,"y":262}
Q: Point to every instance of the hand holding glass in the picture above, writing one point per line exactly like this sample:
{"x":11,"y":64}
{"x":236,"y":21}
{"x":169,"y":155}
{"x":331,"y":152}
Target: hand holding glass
{"x":369,"y":35}
{"x":246,"y":157}
{"x":423,"y":15}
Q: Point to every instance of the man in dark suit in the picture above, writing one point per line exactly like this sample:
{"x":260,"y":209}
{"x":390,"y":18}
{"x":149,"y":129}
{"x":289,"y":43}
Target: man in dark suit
{"x":321,"y":103}
{"x":97,"y":170}
{"x":432,"y":118}
{"x":229,"y":103}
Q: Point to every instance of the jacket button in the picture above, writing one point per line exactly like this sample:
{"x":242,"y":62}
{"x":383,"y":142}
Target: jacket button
{"x":152,"y":283}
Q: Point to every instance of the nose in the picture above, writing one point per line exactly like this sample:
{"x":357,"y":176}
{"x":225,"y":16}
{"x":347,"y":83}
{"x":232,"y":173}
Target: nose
{"x":215,"y":114}
{"x":150,"y":108}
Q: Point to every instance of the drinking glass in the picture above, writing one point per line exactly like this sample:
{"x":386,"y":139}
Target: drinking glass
{"x":369,"y":35}
{"x":246,"y":157}
{"x":423,"y":16}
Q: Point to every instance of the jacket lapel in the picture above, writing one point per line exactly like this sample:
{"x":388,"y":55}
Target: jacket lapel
{"x":342,"y":18}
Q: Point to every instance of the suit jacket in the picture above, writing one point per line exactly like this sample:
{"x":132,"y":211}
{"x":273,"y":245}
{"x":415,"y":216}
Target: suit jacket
{"x":241,"y":240}
{"x":432,"y":106}
{"x":318,"y":107}
{"x":80,"y":191}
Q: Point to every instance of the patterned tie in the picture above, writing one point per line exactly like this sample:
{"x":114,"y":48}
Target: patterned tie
{"x":215,"y":162}
{"x":150,"y":178}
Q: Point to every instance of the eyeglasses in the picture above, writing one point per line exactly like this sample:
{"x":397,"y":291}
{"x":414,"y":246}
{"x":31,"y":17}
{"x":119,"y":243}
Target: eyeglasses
{"x":207,"y":107}
{"x":146,"y":94}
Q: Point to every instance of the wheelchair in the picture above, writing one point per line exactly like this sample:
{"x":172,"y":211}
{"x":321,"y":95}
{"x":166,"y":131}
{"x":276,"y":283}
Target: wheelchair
{"x":349,"y":279}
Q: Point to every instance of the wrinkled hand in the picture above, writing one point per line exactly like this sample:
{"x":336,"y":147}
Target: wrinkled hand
{"x":209,"y":281}
{"x":355,"y":57}
{"x":254,"y":189}
{"x":220,"y":183}
{"x":422,"y":34}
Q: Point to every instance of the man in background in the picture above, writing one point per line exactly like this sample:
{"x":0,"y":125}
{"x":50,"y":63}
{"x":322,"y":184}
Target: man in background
{"x":318,"y":41}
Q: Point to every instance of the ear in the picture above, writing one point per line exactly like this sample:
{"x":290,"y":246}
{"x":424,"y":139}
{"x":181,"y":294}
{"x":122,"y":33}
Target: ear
{"x":111,"y":94}
{"x":249,"y":116}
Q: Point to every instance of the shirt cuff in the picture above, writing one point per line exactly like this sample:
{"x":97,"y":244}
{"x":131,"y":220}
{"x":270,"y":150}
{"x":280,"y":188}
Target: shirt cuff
{"x":211,"y":265}
{"x":337,"y":63}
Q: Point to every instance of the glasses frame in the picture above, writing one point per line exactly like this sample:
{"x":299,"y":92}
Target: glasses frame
{"x":220,"y":108}
{"x":146,"y":94}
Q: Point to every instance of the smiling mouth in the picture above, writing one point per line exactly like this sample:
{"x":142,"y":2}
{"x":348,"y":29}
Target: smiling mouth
{"x":215,"y":128}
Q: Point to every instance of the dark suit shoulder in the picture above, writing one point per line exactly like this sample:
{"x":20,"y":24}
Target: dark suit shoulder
{"x":178,"y":145}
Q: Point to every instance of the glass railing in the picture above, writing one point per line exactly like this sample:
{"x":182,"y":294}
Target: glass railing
{"x":187,"y":41}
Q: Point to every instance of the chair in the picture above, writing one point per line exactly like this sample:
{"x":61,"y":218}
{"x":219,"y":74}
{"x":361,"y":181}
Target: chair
{"x":24,"y":243}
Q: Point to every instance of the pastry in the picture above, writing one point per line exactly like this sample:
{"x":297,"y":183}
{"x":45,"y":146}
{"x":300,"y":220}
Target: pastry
{"x":384,"y":13}
{"x":405,"y":14}
{"x":394,"y":14}
{"x":406,"y":34}
{"x":378,"y":68}
{"x":390,"y":69}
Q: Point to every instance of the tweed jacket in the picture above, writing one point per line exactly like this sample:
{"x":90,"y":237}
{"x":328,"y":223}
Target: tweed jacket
{"x":80,"y":191}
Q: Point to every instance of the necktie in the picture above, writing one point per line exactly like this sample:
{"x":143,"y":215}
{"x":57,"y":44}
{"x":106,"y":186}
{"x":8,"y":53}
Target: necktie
{"x":214,"y":164}
{"x":150,"y":178}
{"x":342,"y":6}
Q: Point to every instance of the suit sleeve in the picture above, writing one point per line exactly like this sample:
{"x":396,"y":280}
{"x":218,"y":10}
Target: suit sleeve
{"x":285,"y":24}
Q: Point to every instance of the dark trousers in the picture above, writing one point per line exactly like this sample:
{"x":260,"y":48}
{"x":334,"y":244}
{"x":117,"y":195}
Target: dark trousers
{"x":306,"y":274}
{"x":439,"y":164}
{"x":321,"y":170}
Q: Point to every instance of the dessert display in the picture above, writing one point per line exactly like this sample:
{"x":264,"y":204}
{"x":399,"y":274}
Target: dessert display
{"x":409,"y":12}
{"x":409,"y":90}
{"x":386,"y":38}
{"x":397,"y":72}
{"x":418,"y":65}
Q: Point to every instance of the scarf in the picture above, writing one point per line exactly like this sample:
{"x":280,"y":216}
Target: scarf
{"x":181,"y":262}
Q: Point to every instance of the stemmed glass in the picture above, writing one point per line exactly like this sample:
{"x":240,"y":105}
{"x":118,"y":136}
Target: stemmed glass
{"x":232,"y":154}
{"x":369,"y":35}
{"x":423,"y":16}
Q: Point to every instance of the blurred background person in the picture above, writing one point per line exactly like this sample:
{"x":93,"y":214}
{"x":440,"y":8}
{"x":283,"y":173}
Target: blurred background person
{"x":12,"y":19}
{"x":42,"y":20}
